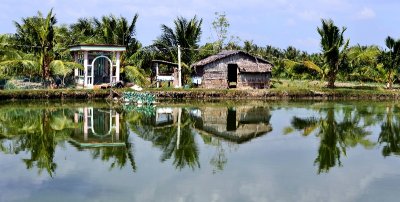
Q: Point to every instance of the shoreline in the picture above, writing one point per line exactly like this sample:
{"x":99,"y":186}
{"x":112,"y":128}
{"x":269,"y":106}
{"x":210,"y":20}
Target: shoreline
{"x":209,"y":94}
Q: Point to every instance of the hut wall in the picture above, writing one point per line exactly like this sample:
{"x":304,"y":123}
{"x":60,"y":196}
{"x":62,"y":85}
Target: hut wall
{"x":254,"y":80}
{"x":215,"y":74}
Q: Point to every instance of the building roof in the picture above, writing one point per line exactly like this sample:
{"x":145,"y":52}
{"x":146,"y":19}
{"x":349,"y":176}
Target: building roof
{"x":244,"y":65}
{"x":164,"y":62}
{"x":98,"y":47}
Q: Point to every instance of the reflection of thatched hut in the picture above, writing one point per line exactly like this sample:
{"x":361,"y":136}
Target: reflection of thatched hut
{"x":232,"y":69}
{"x":239,"y":124}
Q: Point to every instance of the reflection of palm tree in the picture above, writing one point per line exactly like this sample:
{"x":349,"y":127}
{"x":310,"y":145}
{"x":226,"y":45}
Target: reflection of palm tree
{"x":390,"y":133}
{"x":39,"y":130}
{"x":179,"y":145}
{"x":31,"y":130}
{"x":120,"y":155}
{"x":335,"y":136}
{"x":219,"y":159}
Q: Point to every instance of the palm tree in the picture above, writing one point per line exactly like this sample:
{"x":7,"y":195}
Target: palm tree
{"x":186,"y":33}
{"x":391,"y":59}
{"x":14,"y":62}
{"x":37,"y":34}
{"x":363,"y":63}
{"x":334,"y":48}
{"x":63,"y":69}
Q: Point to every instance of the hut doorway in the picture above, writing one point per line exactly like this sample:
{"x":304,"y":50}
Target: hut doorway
{"x":232,"y":75}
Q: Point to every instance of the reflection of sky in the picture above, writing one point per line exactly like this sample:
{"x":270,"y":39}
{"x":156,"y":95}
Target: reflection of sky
{"x":273,"y":167}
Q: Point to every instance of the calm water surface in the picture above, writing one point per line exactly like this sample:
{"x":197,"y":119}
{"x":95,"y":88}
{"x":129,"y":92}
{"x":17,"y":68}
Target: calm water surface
{"x":219,"y":151}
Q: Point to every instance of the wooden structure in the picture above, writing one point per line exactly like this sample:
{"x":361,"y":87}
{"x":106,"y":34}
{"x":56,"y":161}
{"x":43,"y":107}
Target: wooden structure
{"x":232,"y":69}
{"x":101,"y":64}
{"x":168,"y":74}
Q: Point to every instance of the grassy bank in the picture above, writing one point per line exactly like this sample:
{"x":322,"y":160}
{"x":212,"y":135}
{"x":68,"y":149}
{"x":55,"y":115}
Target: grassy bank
{"x":282,"y":89}
{"x":53,"y":94}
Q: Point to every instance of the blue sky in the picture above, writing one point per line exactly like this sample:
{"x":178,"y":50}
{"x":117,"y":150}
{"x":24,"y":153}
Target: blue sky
{"x":274,"y":22}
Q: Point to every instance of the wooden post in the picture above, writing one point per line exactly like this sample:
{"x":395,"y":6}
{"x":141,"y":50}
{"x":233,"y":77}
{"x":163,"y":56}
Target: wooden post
{"x":179,"y":67}
{"x":158,"y":84}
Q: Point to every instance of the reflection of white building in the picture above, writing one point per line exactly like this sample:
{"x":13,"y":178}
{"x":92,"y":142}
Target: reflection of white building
{"x":164,"y":116}
{"x":101,"y":64}
{"x":97,"y":127}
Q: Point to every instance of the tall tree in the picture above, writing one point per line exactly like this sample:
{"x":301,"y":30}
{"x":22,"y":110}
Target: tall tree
{"x":220,"y":26}
{"x":113,"y":30}
{"x":391,"y":59}
{"x":363,"y":63}
{"x":334,"y":48}
{"x":186,"y":33}
{"x":37,"y":34}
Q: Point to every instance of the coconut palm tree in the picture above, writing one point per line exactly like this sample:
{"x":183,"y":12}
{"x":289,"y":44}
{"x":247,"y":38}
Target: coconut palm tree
{"x":14,"y":62}
{"x":363,"y":63}
{"x":391,"y":60}
{"x":37,"y":34}
{"x":186,"y":33}
{"x":334,"y":48}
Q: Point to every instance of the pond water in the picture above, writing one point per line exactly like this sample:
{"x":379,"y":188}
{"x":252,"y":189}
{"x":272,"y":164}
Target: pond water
{"x":207,"y":151}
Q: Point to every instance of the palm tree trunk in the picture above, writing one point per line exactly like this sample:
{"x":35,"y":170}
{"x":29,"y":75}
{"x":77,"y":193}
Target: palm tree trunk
{"x":389,"y":84}
{"x":331,"y":79}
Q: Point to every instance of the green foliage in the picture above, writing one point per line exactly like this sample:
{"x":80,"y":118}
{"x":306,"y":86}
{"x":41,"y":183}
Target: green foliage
{"x":334,"y":48}
{"x":220,"y":26}
{"x":136,"y":75}
{"x":63,"y":69}
{"x":391,"y":60}
{"x":138,"y":97}
{"x":363,"y":64}
{"x":10,"y":85}
{"x":186,"y":33}
{"x":37,"y":34}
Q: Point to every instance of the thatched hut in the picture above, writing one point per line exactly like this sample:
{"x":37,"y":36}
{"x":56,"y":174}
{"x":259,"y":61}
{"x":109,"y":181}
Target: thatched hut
{"x":232,"y":69}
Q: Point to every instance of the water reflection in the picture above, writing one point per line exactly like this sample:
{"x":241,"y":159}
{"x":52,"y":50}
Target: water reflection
{"x":169,"y":129}
{"x":237,"y":124}
{"x":338,"y":127}
{"x":390,"y":131}
{"x":38,"y":131}
{"x":103,"y":131}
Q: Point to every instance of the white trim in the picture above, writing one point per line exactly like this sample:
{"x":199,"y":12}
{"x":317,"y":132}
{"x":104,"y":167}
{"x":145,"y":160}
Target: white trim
{"x":117,"y":64}
{"x":98,"y":48}
{"x":109,"y":60}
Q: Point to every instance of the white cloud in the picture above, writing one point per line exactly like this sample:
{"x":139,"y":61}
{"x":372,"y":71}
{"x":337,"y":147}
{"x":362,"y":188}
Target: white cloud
{"x":365,"y":14}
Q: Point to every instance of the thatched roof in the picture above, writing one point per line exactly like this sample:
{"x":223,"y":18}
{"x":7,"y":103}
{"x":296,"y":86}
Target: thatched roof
{"x":258,"y":65}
